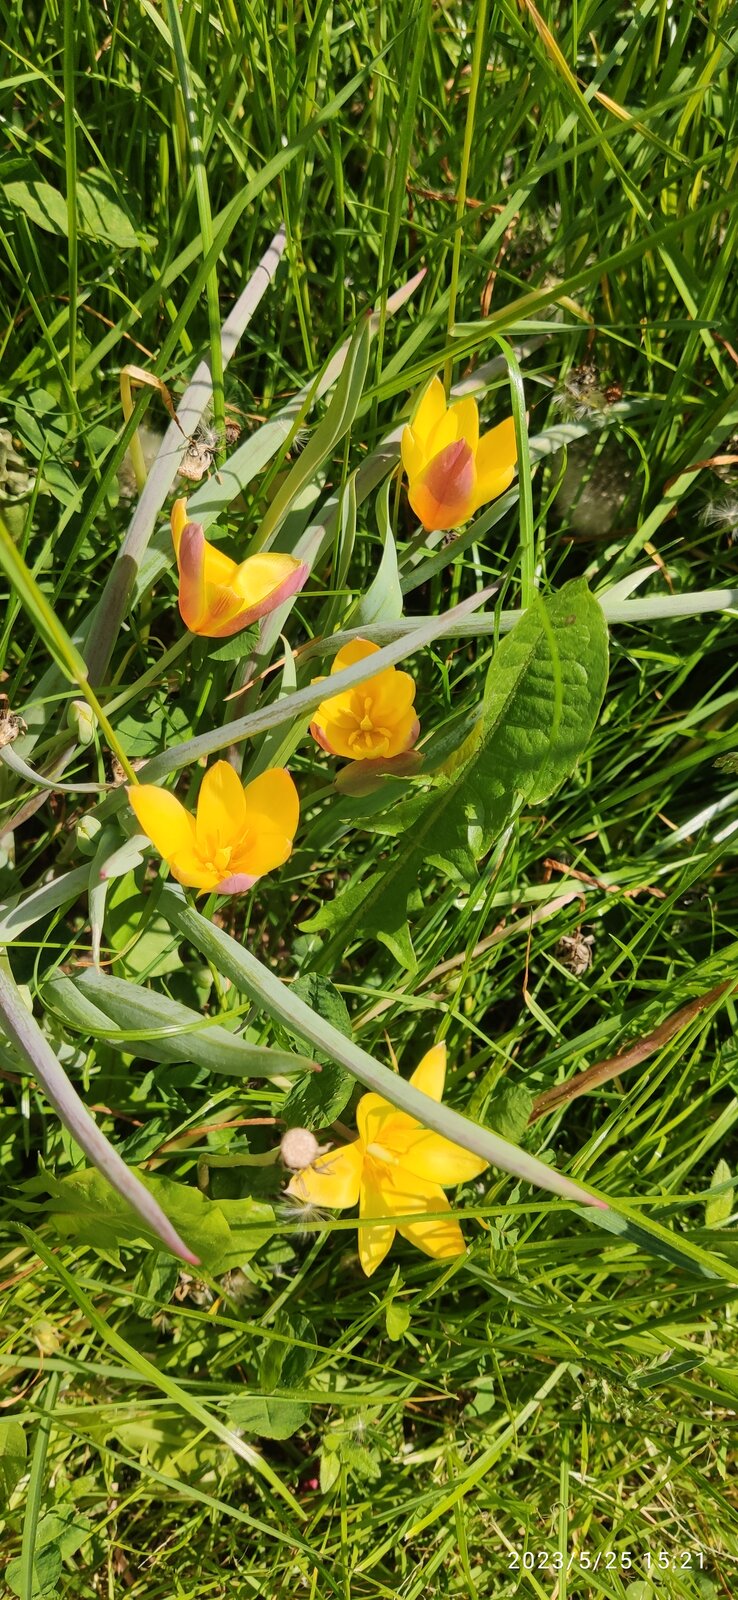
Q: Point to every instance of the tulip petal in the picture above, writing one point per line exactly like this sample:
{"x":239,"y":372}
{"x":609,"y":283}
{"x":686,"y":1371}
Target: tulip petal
{"x":430,"y":1074}
{"x":377,"y":1237}
{"x":498,"y":447}
{"x":431,"y":1156}
{"x":445,"y":432}
{"x":272,"y":799}
{"x":333,"y":1180}
{"x":466,"y":415}
{"x":444,"y":494}
{"x":163,"y":818}
{"x":411,"y":452}
{"x":437,"y":1236}
{"x":393,"y":694}
{"x":356,"y":650}
{"x":263,"y":582}
{"x":372,"y":1114}
{"x":496,"y":458}
{"x":238,"y":882}
{"x":204,"y":579}
{"x":261,"y":853}
{"x":320,"y":736}
{"x":188,"y":867}
{"x":430,"y":412}
{"x":177,"y":522}
{"x":222,"y":817}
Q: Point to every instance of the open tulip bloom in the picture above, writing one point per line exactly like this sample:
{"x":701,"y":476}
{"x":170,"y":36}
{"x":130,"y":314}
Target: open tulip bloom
{"x":451,"y":471}
{"x":238,"y":834}
{"x":397,"y":1170}
{"x":218,"y":596}
{"x":374,"y":721}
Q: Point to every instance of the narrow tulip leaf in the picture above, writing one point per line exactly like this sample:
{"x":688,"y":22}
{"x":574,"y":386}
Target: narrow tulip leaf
{"x":271,"y":995}
{"x":544,"y":691}
{"x":24,"y":1032}
{"x":336,"y":422}
{"x":144,"y":1023}
{"x":11,"y":759}
{"x":383,"y":599}
{"x":17,"y":915}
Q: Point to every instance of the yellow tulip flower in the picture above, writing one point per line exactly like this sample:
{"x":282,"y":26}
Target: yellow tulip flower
{"x":395,"y":1169}
{"x":451,"y":471}
{"x":217,"y":596}
{"x":239,"y":832}
{"x":375,"y":720}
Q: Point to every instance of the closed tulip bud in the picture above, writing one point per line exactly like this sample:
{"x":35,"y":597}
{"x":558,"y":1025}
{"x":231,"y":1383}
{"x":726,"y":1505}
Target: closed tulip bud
{"x":88,"y":834}
{"x":81,"y":720}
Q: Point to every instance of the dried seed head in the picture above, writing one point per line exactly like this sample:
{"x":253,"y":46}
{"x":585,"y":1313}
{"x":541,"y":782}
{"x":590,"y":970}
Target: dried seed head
{"x":11,"y":725}
{"x":299,"y":1148}
{"x":574,"y":951}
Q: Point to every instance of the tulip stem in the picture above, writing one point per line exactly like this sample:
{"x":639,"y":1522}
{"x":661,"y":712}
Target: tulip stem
{"x":134,"y":447}
{"x":476,"y":72}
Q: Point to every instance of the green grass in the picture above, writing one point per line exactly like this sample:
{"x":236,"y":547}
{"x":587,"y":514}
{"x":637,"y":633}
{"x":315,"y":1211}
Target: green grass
{"x":560,"y":1389}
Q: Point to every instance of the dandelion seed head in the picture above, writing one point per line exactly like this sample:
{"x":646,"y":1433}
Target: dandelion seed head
{"x":299,"y":1148}
{"x":722,"y":513}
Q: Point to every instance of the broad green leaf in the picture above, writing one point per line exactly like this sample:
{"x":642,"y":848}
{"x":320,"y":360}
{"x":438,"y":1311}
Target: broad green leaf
{"x":544,"y":691}
{"x":162,"y":722}
{"x":136,"y":932}
{"x":58,"y":1536}
{"x":317,"y":1098}
{"x":224,"y":1233}
{"x":286,"y":1365}
{"x":397,"y":1319}
{"x":269,"y":1416}
{"x":124,"y":1013}
{"x":508,"y":1110}
{"x":40,"y":202}
{"x":719,"y":1205}
{"x":100,"y":214}
{"x":13,"y":1451}
{"x":238,"y":646}
{"x":330,"y":1463}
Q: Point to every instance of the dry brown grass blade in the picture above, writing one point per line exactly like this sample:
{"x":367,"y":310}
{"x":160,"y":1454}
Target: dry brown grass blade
{"x":605,"y":1071}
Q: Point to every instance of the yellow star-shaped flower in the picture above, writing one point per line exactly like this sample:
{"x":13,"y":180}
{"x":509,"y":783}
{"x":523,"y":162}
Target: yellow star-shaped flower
{"x":395,"y":1169}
